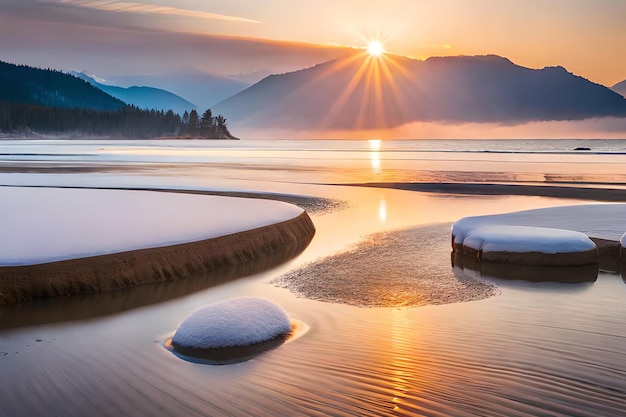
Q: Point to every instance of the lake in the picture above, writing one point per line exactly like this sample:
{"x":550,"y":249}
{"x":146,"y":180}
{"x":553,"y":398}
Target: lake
{"x":527,"y":349}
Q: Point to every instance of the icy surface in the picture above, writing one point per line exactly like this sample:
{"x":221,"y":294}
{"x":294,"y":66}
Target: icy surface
{"x":504,"y":238}
{"x":235,"y":322}
{"x":48,"y":224}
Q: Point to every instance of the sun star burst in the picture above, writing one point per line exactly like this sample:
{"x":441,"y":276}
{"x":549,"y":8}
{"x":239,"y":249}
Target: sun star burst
{"x":375,"y":48}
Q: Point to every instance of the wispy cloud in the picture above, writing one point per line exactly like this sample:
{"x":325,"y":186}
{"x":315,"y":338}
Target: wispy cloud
{"x":133,"y":7}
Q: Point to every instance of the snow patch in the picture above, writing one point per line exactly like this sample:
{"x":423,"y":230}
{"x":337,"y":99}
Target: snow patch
{"x":235,"y":322}
{"x":605,"y":221}
{"x":504,"y":238}
{"x":50,"y":224}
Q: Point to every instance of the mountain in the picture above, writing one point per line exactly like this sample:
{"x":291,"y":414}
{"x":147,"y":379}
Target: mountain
{"x":620,"y":88}
{"x":204,"y":90}
{"x":44,"y":87}
{"x":362,"y":92}
{"x":142,"y":97}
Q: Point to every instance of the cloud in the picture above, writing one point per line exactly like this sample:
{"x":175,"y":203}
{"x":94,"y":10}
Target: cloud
{"x":132,"y":7}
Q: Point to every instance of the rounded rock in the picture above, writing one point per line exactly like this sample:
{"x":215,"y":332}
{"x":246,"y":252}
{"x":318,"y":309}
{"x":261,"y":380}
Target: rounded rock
{"x":527,"y":245}
{"x":235,"y":322}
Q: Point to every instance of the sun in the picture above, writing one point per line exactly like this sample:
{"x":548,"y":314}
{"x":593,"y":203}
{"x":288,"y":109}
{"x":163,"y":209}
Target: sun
{"x":375,"y":48}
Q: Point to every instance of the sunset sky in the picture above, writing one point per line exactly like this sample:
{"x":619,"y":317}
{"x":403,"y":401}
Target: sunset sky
{"x":110,"y":38}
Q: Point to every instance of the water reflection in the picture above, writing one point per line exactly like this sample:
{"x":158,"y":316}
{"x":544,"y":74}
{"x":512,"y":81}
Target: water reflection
{"x":469,"y":265}
{"x":382,"y":210}
{"x":374,"y":154}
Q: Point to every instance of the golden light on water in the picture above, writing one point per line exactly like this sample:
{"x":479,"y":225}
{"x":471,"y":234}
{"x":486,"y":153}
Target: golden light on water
{"x":374,"y":144}
{"x":374,"y":155}
{"x":382,"y":210}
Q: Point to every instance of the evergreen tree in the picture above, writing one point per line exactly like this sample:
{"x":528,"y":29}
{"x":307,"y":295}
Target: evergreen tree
{"x":207,"y":119}
{"x":221,"y":122}
{"x":192,"y":126}
{"x":207,"y":125}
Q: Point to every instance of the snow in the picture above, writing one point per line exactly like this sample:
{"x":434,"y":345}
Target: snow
{"x":520,"y":239}
{"x":604,"y":221}
{"x":49,"y":224}
{"x":235,"y":322}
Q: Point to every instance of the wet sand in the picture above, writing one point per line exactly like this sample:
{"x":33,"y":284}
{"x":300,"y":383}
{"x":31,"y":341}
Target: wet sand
{"x":390,"y":269}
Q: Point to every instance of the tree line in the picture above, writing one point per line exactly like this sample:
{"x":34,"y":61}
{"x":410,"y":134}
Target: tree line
{"x":129,"y":122}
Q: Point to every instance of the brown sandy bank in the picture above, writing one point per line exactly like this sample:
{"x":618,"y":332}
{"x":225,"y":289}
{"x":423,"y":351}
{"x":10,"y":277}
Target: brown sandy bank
{"x":128,"y":269}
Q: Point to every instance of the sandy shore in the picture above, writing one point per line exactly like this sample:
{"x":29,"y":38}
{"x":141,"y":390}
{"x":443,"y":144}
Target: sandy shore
{"x":128,"y":269}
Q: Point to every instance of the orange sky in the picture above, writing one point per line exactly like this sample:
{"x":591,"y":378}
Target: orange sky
{"x":587,"y":37}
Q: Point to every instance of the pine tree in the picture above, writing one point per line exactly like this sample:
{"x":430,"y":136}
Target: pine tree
{"x":193,"y":124}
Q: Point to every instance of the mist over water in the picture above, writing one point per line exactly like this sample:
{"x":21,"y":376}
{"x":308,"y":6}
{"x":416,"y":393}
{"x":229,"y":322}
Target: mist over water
{"x":528,"y":349}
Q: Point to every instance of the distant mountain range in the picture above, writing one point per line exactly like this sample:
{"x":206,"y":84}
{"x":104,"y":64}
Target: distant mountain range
{"x":355,"y":92}
{"x":48,"y":88}
{"x":142,"y":97}
{"x":360,"y":92}
{"x":620,"y":88}
{"x":202,"y":89}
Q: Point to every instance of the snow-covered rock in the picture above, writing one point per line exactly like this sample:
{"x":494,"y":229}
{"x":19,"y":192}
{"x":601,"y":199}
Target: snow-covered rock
{"x":230,"y":323}
{"x":603,"y":221}
{"x":525,"y":245}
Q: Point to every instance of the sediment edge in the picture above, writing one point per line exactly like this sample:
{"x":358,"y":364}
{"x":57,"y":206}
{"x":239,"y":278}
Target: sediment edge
{"x":143,"y":266}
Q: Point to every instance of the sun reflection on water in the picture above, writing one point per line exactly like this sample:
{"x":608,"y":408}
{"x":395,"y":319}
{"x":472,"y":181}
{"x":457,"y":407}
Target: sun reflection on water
{"x":382,"y":210}
{"x":374,"y":145}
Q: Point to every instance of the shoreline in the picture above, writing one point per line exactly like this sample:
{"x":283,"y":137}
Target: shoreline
{"x":143,"y":266}
{"x":132,"y":268}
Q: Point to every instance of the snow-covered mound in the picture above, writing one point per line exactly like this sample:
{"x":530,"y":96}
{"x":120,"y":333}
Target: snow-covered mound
{"x":603,"y":221}
{"x":486,"y":238}
{"x":235,"y":322}
{"x":50,"y":224}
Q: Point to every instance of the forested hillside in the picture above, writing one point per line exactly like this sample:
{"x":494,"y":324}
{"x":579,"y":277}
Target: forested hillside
{"x":38,"y":87}
{"x":51,"y":102}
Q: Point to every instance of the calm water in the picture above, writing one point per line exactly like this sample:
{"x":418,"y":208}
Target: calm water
{"x":333,"y":161}
{"x":534,"y":349}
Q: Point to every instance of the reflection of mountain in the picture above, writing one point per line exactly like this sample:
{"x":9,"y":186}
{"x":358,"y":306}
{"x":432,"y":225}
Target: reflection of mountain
{"x":361,"y":92}
{"x":620,"y":88}
{"x":143,"y":97}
